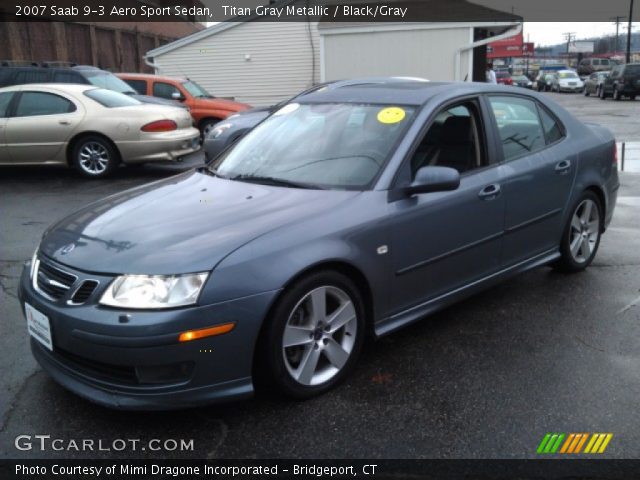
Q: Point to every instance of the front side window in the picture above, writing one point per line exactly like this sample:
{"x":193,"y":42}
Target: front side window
{"x":5,"y":100}
{"x":165,"y":90}
{"x":453,"y":140}
{"x":518,"y":125}
{"x":42,"y":103}
{"x":328,"y":145}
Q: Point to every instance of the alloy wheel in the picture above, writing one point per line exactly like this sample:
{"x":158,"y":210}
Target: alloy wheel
{"x":94,"y":158}
{"x":319,"y":336}
{"x":585,"y":231}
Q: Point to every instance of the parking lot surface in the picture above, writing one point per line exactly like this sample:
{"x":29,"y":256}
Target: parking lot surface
{"x":486,"y":378}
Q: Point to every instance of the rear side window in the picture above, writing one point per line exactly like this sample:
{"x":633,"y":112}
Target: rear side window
{"x":111,"y":99}
{"x":519,"y":126}
{"x":632,"y":69}
{"x":164,"y":90}
{"x":552,"y":130}
{"x":31,"y":76}
{"x":42,"y":103}
{"x":139,"y":86}
{"x":5,"y":100}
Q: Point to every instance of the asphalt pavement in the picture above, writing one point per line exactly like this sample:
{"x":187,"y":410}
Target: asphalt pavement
{"x":486,"y":378}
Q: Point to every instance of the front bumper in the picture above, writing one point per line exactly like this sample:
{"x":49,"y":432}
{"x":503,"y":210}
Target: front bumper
{"x":570,"y":88}
{"x":160,"y":146}
{"x":132,"y":359}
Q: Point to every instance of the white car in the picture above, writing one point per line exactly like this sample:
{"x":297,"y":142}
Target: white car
{"x":566,"y":81}
{"x":89,"y":128}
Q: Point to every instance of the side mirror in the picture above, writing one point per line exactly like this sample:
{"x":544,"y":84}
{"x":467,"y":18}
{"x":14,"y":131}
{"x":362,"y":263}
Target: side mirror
{"x":177,"y":96}
{"x":434,"y":179}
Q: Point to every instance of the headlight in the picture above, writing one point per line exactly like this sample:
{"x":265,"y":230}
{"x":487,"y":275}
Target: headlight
{"x":154,"y":291}
{"x":32,"y":270}
{"x":217,"y":131}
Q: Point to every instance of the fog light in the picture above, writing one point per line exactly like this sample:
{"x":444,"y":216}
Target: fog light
{"x":206,"y":332}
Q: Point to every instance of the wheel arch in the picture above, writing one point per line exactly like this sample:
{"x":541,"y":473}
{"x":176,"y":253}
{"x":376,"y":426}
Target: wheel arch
{"x":78,"y":136}
{"x":599,"y":192}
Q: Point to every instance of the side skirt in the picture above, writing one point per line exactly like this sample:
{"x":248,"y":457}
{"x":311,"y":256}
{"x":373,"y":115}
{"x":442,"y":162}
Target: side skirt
{"x":417,"y":312}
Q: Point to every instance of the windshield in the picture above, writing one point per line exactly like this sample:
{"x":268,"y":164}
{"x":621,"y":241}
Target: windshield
{"x":329,"y":145}
{"x":196,"y":90}
{"x":107,"y":80}
{"x":111,"y":99}
{"x":567,"y":75}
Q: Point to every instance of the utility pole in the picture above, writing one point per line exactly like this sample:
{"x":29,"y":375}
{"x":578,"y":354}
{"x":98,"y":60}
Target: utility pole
{"x":570,"y":36}
{"x":629,"y":32}
{"x":617,"y":21}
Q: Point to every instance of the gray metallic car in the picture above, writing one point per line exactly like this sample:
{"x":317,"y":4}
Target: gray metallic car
{"x":352,"y":211}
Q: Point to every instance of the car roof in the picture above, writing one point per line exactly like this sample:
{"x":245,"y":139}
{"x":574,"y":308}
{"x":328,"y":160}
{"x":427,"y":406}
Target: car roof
{"x":406,"y":92}
{"x":65,"y":87}
{"x":150,"y":76}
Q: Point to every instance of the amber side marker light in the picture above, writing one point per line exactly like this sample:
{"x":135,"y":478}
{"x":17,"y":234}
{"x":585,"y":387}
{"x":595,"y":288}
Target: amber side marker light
{"x":206,"y":332}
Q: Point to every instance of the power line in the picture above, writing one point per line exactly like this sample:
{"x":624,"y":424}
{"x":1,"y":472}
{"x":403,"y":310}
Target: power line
{"x":617,"y":21}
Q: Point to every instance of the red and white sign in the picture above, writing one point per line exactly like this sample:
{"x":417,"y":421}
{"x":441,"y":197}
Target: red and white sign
{"x":510,"y":47}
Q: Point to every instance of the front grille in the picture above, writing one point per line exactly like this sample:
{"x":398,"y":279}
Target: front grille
{"x":105,"y":371}
{"x":83,"y":292}
{"x":52,"y":281}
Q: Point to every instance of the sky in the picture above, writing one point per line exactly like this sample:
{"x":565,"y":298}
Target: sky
{"x":551,"y":33}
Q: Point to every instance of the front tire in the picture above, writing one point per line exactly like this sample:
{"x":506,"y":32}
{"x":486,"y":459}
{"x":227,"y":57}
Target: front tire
{"x":314,"y":335}
{"x":616,"y":94}
{"x":94,"y":156}
{"x":582,"y":233}
{"x":206,"y":126}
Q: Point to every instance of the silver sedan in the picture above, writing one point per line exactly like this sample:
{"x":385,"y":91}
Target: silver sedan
{"x":89,"y":128}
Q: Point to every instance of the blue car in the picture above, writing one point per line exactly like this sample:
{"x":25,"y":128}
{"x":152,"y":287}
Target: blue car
{"x":353,"y":211}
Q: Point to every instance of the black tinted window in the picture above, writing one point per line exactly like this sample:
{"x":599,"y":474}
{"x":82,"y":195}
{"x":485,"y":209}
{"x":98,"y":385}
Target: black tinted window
{"x":5,"y":99}
{"x":164,"y":90}
{"x":632,"y":69}
{"x":68,"y":77}
{"x":111,"y":99}
{"x":519,"y":126}
{"x":31,"y":76}
{"x":552,"y":130}
{"x":139,"y":86}
{"x":42,"y":103}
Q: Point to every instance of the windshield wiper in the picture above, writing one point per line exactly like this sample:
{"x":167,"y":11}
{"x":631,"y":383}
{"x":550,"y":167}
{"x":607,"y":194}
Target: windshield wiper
{"x":280,"y":182}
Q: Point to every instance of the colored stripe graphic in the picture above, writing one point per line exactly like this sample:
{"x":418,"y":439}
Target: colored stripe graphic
{"x":574,"y":443}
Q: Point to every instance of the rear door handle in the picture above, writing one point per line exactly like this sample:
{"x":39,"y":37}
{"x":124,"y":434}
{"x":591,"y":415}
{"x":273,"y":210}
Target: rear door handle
{"x":489,"y":192}
{"x":64,"y":122}
{"x":563,"y":167}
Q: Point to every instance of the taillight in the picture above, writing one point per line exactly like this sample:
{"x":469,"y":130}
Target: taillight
{"x":615,"y":155}
{"x":160,"y":126}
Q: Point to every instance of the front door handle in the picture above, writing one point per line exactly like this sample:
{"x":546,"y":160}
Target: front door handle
{"x":563,"y":167}
{"x":489,"y":192}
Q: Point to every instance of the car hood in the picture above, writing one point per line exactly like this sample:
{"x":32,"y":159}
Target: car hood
{"x":220,"y":104}
{"x":183,"y":224}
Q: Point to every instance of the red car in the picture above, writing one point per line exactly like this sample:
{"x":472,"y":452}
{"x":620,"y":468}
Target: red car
{"x":504,"y":78}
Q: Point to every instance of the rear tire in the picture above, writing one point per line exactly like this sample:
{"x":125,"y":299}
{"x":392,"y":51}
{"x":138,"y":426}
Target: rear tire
{"x":313,"y":337}
{"x":94,"y":156}
{"x":581,"y":235}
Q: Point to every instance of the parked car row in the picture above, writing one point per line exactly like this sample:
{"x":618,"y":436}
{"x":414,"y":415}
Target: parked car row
{"x":93,"y":120}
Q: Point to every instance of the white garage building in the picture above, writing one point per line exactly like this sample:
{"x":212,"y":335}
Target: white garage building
{"x":261,"y":63}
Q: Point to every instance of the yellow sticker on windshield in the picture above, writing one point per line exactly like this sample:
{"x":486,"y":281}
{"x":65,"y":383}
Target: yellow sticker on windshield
{"x":391,"y":115}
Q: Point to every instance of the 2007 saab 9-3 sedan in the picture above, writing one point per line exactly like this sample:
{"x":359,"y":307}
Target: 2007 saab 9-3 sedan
{"x":354,"y":210}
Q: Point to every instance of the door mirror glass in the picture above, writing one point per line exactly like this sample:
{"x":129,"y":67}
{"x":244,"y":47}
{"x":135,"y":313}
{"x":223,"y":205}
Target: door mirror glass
{"x":434,"y":179}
